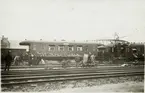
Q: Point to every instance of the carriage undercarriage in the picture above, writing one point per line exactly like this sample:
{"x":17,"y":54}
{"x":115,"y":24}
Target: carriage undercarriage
{"x":65,"y":62}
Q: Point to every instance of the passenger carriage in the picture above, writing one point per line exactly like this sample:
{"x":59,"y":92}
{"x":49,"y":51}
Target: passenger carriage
{"x":60,"y":50}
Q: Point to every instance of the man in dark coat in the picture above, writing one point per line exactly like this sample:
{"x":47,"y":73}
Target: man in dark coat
{"x":8,"y":60}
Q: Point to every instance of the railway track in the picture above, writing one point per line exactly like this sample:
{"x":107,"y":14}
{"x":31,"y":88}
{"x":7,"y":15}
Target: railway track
{"x":59,"y":73}
{"x":65,"y":70}
{"x":54,"y":78}
{"x":16,"y":78}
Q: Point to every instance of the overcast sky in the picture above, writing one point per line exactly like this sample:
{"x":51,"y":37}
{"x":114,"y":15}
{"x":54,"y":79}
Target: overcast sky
{"x":72,"y":19}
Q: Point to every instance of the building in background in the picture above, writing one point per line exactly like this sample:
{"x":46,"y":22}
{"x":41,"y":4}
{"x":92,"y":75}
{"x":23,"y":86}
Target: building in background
{"x":5,"y":42}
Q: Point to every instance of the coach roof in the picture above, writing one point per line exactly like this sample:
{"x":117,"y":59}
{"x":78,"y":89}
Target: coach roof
{"x":28,"y":42}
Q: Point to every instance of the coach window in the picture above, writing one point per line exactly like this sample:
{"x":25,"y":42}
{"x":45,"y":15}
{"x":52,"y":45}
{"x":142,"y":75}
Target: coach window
{"x":138,"y":49}
{"x":70,"y":48}
{"x":51,"y":47}
{"x":107,"y":49}
{"x":86,"y":48}
{"x":128,"y":49}
{"x":79,"y":48}
{"x":112,"y":49}
{"x":94,"y":48}
{"x":61,"y":48}
{"x":34,"y":47}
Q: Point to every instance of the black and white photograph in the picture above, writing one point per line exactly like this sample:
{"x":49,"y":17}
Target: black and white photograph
{"x":72,"y":46}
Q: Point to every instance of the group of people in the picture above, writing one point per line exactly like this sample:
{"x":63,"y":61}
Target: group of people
{"x":47,"y":54}
{"x":9,"y":60}
{"x":88,"y":59}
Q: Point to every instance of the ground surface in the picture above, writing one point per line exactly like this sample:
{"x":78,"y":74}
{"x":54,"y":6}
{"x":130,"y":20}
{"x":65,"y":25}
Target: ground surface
{"x":118,"y":84}
{"x":120,"y":87}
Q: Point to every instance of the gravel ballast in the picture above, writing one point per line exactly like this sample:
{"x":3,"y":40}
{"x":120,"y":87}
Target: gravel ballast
{"x":59,"y":86}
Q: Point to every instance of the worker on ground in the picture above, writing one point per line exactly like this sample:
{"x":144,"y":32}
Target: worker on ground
{"x":8,"y":60}
{"x":16,"y":60}
{"x":85,"y":59}
{"x":89,"y":57}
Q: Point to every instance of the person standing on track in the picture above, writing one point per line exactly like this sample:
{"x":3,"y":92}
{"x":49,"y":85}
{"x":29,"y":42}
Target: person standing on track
{"x":8,"y":60}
